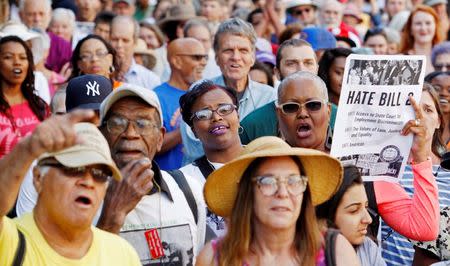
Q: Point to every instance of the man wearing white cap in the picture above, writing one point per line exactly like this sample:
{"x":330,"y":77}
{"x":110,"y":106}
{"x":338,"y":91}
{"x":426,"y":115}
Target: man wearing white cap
{"x":148,"y":206}
{"x":303,"y":11}
{"x":71,"y":177}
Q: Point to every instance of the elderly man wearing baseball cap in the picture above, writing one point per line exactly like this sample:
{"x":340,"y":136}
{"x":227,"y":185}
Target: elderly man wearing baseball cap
{"x":71,"y":177}
{"x":148,"y":206}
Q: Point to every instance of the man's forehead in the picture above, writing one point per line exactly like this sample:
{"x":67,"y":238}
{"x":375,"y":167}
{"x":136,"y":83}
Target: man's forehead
{"x":306,"y":53}
{"x":131,"y":104}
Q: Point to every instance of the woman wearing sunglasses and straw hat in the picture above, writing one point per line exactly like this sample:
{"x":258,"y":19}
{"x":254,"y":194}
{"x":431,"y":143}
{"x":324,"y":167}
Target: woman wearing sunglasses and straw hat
{"x":268,"y":194}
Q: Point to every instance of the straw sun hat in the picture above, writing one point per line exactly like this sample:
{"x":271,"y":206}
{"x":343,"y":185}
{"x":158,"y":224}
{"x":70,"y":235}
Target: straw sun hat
{"x":324,"y":173}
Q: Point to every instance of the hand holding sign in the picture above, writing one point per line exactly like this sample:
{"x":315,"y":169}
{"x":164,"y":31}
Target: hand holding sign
{"x":417,"y":127}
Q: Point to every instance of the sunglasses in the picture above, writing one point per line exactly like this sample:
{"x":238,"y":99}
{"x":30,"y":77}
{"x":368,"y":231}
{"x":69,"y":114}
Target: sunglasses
{"x":293,"y":107}
{"x":100,"y":174}
{"x":299,"y":12}
{"x":196,"y":57}
{"x":222,"y":110}
{"x":269,"y":185}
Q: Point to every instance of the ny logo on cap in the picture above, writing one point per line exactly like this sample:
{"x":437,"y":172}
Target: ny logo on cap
{"x":92,"y":87}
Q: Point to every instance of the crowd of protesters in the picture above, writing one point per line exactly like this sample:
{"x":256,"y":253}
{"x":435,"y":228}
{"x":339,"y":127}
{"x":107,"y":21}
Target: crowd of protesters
{"x":198,"y":132}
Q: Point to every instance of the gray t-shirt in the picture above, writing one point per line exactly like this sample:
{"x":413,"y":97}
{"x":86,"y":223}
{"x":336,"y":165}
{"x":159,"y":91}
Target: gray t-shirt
{"x":369,"y":253}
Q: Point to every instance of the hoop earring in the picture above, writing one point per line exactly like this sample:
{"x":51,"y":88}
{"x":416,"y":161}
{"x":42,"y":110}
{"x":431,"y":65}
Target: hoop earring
{"x":111,"y":69}
{"x":240,"y":130}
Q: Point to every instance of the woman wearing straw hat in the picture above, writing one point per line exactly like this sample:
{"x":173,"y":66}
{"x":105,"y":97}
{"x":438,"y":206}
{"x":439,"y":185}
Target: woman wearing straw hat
{"x":268,"y":193}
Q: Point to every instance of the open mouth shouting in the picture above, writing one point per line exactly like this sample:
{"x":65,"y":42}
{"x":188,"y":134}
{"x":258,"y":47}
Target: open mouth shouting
{"x":304,"y":130}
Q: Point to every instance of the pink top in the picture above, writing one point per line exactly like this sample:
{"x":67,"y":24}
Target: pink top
{"x":25,"y":121}
{"x":320,"y":257}
{"x":416,"y":218}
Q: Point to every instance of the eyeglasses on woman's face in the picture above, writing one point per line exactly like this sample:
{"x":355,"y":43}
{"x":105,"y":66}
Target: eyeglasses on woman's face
{"x":87,"y":57}
{"x":206,"y":114}
{"x":269,"y":185}
{"x":289,"y":108}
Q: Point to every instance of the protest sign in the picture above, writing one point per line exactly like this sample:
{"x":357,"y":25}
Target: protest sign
{"x":373,"y":108}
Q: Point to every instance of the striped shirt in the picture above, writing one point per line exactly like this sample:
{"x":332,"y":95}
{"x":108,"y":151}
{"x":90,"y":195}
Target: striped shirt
{"x":396,"y":249}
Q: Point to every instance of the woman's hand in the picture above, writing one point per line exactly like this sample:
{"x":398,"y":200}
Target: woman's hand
{"x":417,"y":127}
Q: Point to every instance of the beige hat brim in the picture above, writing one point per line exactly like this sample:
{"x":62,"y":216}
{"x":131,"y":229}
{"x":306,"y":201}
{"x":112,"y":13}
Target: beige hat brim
{"x":324,"y":177}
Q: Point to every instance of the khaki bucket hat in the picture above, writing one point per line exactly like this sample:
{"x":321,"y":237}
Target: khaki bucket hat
{"x":324,"y":173}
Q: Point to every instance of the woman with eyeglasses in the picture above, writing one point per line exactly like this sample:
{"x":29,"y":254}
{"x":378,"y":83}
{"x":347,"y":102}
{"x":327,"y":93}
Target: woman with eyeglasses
{"x":348,"y":211}
{"x":268,"y":194}
{"x":396,"y":248}
{"x":211,"y":112}
{"x":302,"y":116}
{"x":93,"y":55}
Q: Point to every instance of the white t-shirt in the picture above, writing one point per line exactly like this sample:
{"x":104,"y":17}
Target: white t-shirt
{"x":172,"y":219}
{"x":215,"y":222}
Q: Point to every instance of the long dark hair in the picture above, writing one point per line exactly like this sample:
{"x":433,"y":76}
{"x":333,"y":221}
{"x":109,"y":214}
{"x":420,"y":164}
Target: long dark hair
{"x":327,"y":210}
{"x":437,"y":144}
{"x":327,"y":60}
{"x":37,"y":105}
{"x":76,"y":56}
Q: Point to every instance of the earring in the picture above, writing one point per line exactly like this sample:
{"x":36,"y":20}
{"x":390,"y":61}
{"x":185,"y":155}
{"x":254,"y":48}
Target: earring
{"x":111,"y":69}
{"x":240,"y":130}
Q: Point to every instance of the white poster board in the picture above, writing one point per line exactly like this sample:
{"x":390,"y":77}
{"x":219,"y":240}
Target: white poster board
{"x":373,"y":108}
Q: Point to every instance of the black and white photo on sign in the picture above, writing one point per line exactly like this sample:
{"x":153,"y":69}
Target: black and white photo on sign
{"x":176,"y":242}
{"x":384,"y":72}
{"x":385,"y":163}
{"x":374,"y":106}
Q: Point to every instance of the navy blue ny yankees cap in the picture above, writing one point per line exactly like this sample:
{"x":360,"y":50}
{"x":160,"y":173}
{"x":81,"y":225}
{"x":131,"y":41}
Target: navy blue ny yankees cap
{"x":87,"y":92}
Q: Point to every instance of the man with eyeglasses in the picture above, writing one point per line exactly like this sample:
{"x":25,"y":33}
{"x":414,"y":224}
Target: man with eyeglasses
{"x":187,"y":59}
{"x":82,"y":92}
{"x":149,"y":205}
{"x":303,"y":11}
{"x":71,"y":177}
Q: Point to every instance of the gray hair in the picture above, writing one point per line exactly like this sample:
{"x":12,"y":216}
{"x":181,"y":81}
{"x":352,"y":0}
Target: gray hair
{"x":63,"y":14}
{"x":442,"y":48}
{"x":48,"y":4}
{"x":192,"y":23}
{"x":303,"y":75}
{"x":125,"y":19}
{"x":235,"y":26}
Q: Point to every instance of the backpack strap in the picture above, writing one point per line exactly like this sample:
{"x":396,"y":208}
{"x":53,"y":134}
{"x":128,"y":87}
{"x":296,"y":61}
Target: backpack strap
{"x":20,"y":251}
{"x":373,"y":211}
{"x":178,"y":176}
{"x":204,"y":165}
{"x":330,"y":246}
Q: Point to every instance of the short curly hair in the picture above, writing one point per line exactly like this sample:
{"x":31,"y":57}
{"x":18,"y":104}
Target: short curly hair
{"x":195,"y":92}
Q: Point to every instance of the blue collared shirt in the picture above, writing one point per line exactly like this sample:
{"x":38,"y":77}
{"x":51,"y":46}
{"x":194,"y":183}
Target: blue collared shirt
{"x":141,"y":76}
